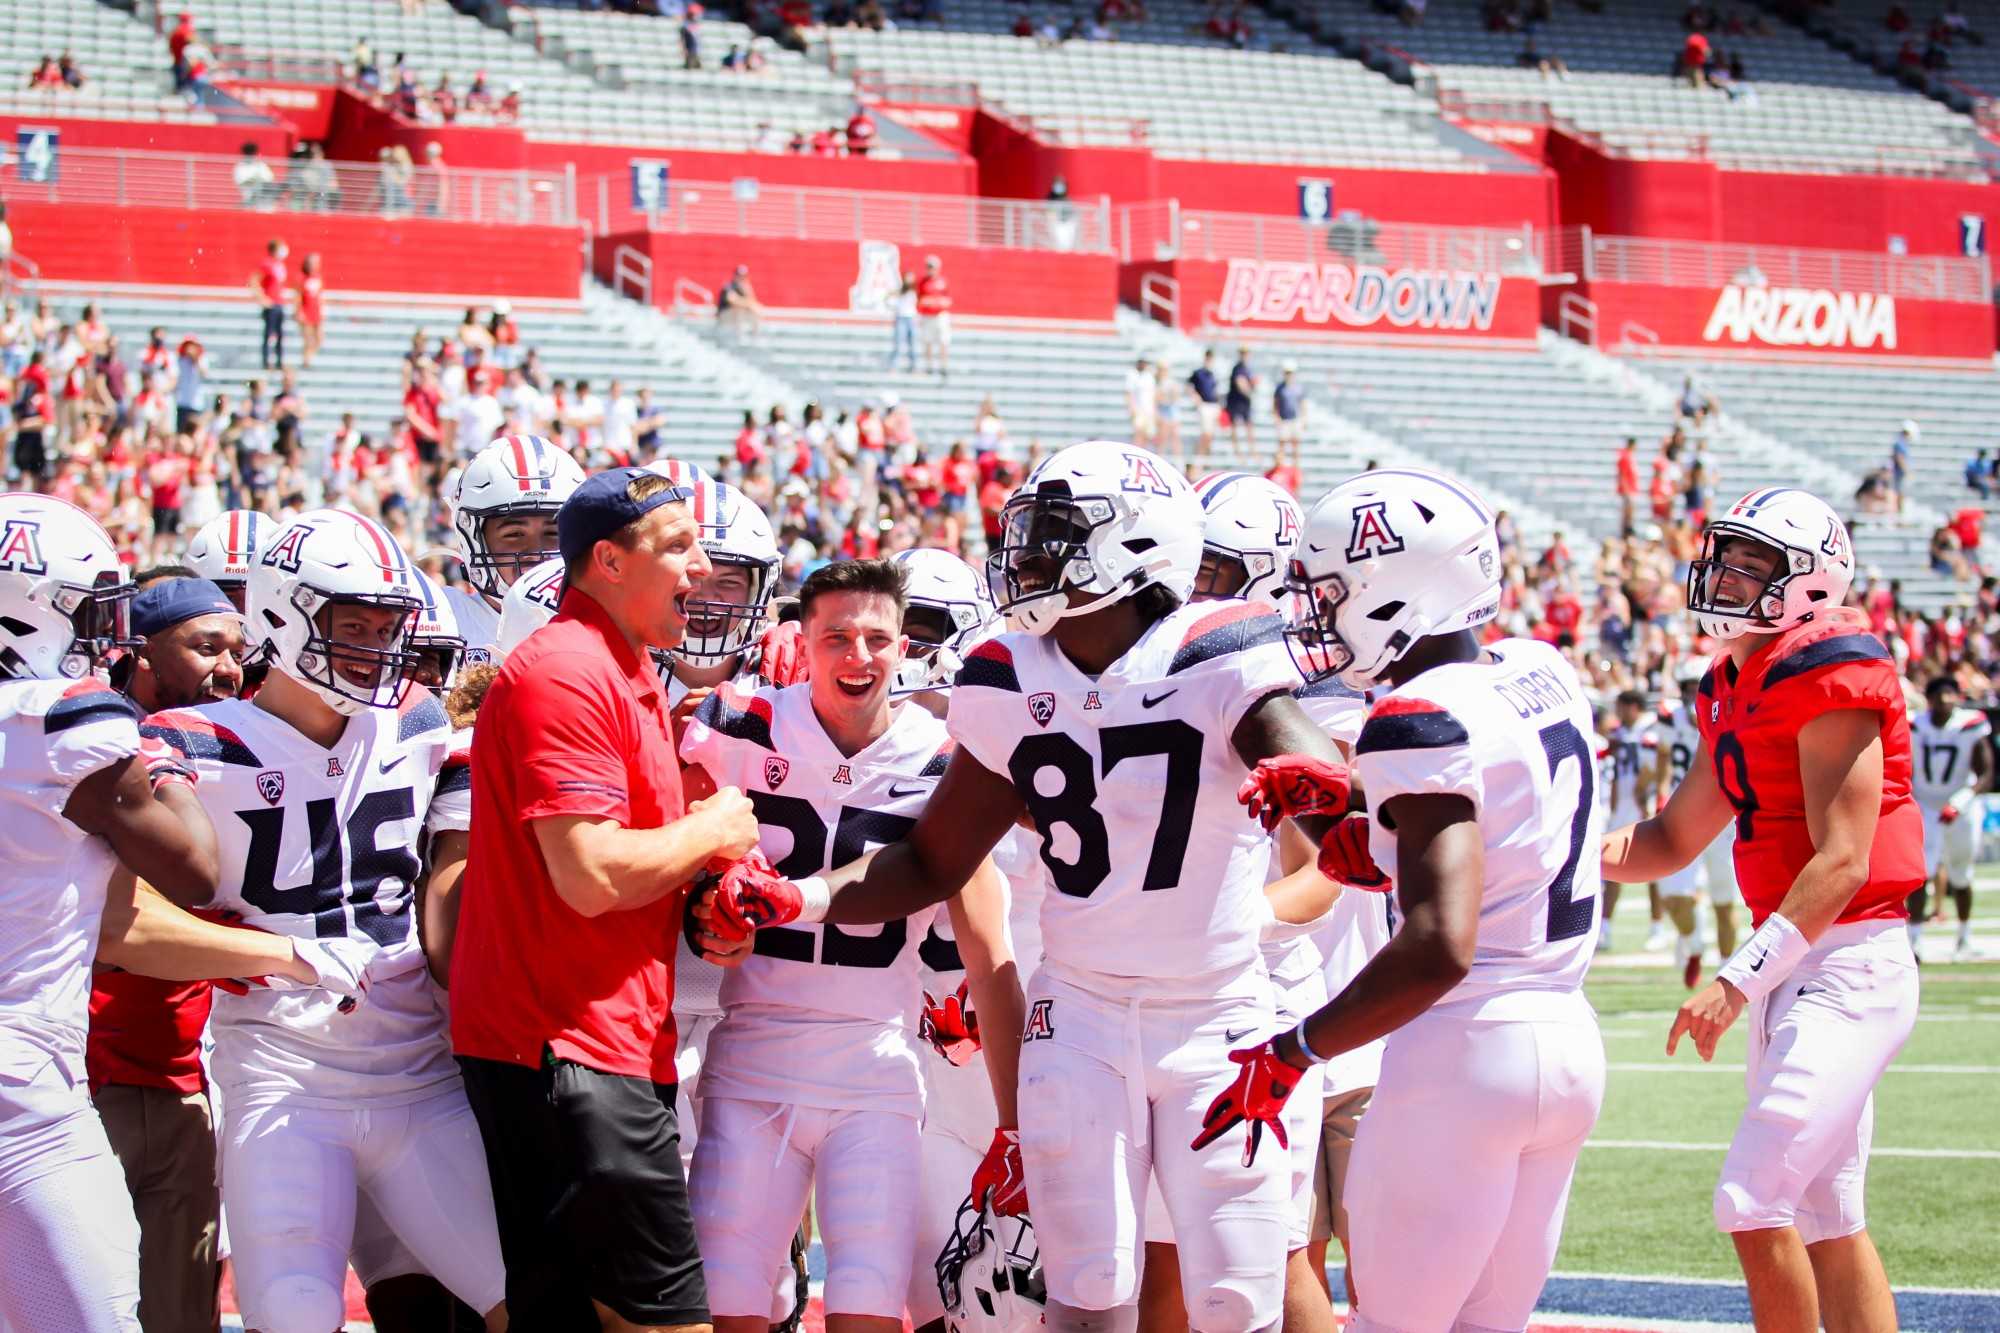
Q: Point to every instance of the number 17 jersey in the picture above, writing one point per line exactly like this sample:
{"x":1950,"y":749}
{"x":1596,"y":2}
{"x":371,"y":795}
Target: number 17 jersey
{"x":1130,"y":779}
{"x":1511,"y":734}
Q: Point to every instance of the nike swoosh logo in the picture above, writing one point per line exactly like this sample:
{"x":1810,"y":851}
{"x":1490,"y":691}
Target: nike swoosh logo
{"x":1237,"y":1034}
{"x":1148,"y":701}
{"x":898,"y":793}
{"x":1811,"y":990}
{"x":388,"y":764}
{"x":1758,"y":966}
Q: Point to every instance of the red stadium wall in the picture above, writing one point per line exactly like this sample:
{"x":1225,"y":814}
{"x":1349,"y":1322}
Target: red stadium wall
{"x":306,"y":107}
{"x":1334,"y":298}
{"x":222,"y":248}
{"x":1620,"y":197}
{"x":822,"y":275}
{"x":1795,"y":321}
{"x":1851,"y":212}
{"x":273,"y":140}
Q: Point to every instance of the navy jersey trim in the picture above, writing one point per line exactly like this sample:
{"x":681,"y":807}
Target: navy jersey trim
{"x":198,"y":741}
{"x":455,"y":778}
{"x":1838,"y":650}
{"x":1227,"y":633}
{"x":427,"y":714}
{"x":1411,"y":731}
{"x":939,"y":762}
{"x":1330,"y":688}
{"x":80,"y":710}
{"x":990,"y":666}
{"x":750,"y":723}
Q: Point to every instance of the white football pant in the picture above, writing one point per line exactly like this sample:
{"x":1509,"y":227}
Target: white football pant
{"x":69,"y":1245}
{"x":1818,"y":1045}
{"x":1113,"y":1089}
{"x":1954,"y":845}
{"x":755,"y":1166}
{"x":293,"y":1176}
{"x":1461,"y":1168}
{"x":689,"y":1056}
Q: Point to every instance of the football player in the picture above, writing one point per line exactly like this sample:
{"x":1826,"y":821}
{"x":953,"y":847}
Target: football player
{"x":1806,"y":743}
{"x":503,"y":512}
{"x":226,"y":547}
{"x":1679,"y":739}
{"x":321,"y":789}
{"x":1250,"y":527}
{"x":1482,"y":813}
{"x":83,"y":793}
{"x":434,"y":640}
{"x":950,"y":610}
{"x":1115,"y":716}
{"x":1629,"y":799}
{"x":812,"y":1079}
{"x":1953,"y":758}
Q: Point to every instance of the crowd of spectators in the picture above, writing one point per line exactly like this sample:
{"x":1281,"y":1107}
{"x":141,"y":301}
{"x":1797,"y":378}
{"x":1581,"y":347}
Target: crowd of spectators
{"x":400,"y":90}
{"x":1930,"y":50}
{"x":57,"y":74}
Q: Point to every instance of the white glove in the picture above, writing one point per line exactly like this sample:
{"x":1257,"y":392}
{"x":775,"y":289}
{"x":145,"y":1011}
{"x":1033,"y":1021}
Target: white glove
{"x":340,"y":965}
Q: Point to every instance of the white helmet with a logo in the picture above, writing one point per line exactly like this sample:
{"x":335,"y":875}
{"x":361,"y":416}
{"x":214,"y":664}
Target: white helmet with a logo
{"x":1387,"y":558}
{"x":1097,"y":517}
{"x":64,"y":599}
{"x":321,"y":561}
{"x":949,"y":610}
{"x":435,"y":634}
{"x":1811,"y":564}
{"x":732,"y":531}
{"x":990,"y":1274}
{"x":1253,"y":523}
{"x":513,"y":476}
{"x":227,"y":546}
{"x":685,"y":475}
{"x":530,"y":604}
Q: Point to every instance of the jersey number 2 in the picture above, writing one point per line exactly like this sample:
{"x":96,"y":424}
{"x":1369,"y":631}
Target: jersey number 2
{"x":1569,"y":916}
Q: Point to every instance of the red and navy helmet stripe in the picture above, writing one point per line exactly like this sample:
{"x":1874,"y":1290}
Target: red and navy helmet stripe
{"x":395,"y":566}
{"x":1211,"y":488}
{"x":534,"y":468}
{"x":1756,"y":500}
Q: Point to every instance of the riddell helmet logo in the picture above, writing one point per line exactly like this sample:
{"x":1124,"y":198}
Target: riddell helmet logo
{"x":1042,"y":707}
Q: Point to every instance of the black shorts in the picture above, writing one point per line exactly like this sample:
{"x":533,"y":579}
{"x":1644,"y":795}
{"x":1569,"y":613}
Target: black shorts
{"x":31,"y":457}
{"x":589,"y":1195}
{"x":166,"y":522}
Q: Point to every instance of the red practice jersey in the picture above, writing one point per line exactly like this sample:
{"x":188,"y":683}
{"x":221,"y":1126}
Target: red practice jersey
{"x":1750,"y":719}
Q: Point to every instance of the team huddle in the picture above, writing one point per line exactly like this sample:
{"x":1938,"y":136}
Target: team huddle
{"x":1093,"y":940}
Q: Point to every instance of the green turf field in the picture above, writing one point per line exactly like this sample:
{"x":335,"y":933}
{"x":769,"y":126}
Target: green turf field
{"x":1646,"y":1211}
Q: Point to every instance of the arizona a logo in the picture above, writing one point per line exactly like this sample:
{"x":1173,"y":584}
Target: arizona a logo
{"x":1042,"y":707}
{"x":333,"y":768}
{"x":271,"y":786}
{"x":775,"y":769}
{"x":1832,"y":544}
{"x":844,"y":776}
{"x":21,"y":547}
{"x":1288,"y":523}
{"x":284,"y":552}
{"x":1372,"y":535}
{"x":1039,"y":1028}
{"x":1142,"y":473}
{"x":1091,"y":701}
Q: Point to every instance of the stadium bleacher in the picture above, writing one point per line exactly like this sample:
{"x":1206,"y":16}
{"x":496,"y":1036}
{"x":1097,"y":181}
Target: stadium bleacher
{"x":124,"y":64}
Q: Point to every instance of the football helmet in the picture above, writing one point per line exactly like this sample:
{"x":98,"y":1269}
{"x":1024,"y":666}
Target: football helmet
{"x":1253,"y":524}
{"x":949,"y":610}
{"x":530,"y":604}
{"x":733,"y":532}
{"x":1811,"y":565}
{"x":1387,"y":558}
{"x":435,"y":642}
{"x":989,"y":1273}
{"x":685,"y":475}
{"x":1097,"y":517}
{"x":514,"y":475}
{"x":227,"y":546}
{"x":64,"y":599}
{"x":323,"y":560}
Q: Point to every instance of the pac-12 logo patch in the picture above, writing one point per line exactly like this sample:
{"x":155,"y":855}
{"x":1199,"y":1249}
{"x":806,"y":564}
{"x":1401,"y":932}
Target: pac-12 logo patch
{"x":271,"y":786}
{"x":1372,"y":535}
{"x":1040,"y":1026}
{"x":1042,"y":707}
{"x":775,"y":769}
{"x":21,"y":546}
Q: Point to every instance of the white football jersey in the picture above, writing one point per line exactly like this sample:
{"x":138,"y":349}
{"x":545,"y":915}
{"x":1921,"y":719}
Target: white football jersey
{"x":324,"y":842}
{"x":1678,"y":735}
{"x":1339,"y":711}
{"x":1942,"y":755}
{"x":697,"y":982}
{"x":1513,"y":737}
{"x":53,"y":735}
{"x":1629,"y":754}
{"x":478,"y":623}
{"x":1137,"y":760}
{"x":819,"y":1015}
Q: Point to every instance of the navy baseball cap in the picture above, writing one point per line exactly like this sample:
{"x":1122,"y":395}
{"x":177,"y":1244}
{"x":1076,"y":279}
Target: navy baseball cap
{"x":170,"y":602}
{"x":604,"y":504}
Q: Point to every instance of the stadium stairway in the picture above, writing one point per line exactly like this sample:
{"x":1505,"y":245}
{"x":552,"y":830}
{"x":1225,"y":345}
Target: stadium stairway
{"x":703,"y":396}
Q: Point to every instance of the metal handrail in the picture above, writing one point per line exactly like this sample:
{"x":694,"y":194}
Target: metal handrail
{"x":1162,"y":229}
{"x":1632,"y":332}
{"x":1658,"y":261}
{"x":631,"y":268}
{"x":690,"y":297}
{"x":130,"y":178}
{"x":1160,"y":298}
{"x":1577,"y":312}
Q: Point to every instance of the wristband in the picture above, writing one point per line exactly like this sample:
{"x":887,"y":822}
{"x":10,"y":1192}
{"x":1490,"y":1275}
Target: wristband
{"x":1305,"y":1047}
{"x":815,"y":896}
{"x":1766,"y":958}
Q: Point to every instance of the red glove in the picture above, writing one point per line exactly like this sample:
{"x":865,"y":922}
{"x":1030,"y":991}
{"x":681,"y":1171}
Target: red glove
{"x":999,"y":1175}
{"x":1344,"y":858}
{"x":1291,"y":785}
{"x":781,"y":654}
{"x":950,"y":1025}
{"x":751,"y":894}
{"x":1257,"y":1096}
{"x":164,"y":766}
{"x":1948,"y":815}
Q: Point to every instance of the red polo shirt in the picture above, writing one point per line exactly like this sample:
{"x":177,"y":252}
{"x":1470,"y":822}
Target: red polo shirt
{"x":146,"y":1033}
{"x":576,"y":724}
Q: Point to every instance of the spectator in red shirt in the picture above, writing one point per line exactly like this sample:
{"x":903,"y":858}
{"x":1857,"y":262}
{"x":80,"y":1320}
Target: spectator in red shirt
{"x":269,"y":285}
{"x":421,"y":403}
{"x":562,"y":971}
{"x":1694,"y":60}
{"x":312,"y":308}
{"x":1284,"y":473}
{"x":1969,"y":524}
{"x":860,"y":132}
{"x":934,"y":316}
{"x":1628,"y":483}
{"x":177,"y":45}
